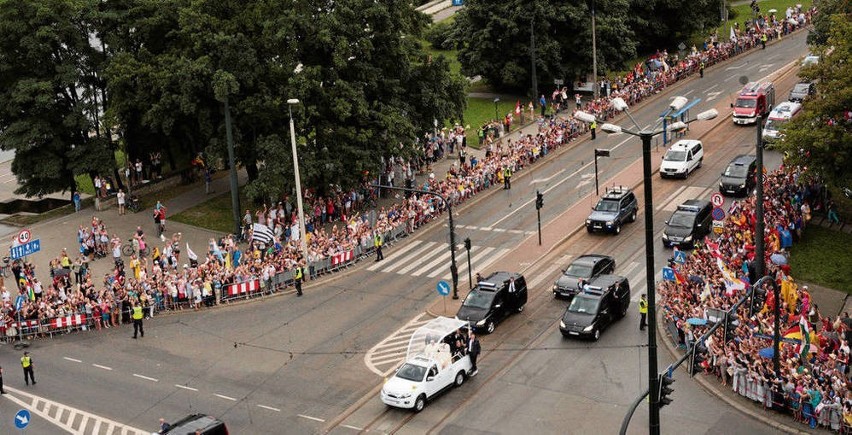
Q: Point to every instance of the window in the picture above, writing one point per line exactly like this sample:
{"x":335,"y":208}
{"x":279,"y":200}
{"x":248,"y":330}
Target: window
{"x":675,"y":156}
{"x":411,"y":372}
{"x":737,"y":171}
{"x":583,"y":305}
{"x":746,"y":103}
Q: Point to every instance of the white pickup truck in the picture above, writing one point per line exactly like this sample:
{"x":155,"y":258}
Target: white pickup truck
{"x":429,"y":367}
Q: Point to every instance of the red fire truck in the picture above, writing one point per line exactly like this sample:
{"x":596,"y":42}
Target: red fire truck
{"x":755,"y":99}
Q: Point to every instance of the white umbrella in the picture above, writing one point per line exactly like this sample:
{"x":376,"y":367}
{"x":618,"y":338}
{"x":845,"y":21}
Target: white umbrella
{"x":772,"y":11}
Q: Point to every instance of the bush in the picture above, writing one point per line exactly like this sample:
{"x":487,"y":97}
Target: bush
{"x":441,"y":36}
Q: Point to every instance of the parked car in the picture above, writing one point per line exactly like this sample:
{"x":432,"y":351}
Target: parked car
{"x":491,"y":300}
{"x":689,"y":222}
{"x":603,"y":301}
{"x":617,"y":206}
{"x":197,"y":424}
{"x":683,"y":157}
{"x":431,"y":366}
{"x":802,"y":91}
{"x":739,"y":178}
{"x":582,"y":270}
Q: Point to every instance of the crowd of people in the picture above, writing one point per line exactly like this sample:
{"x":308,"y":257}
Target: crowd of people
{"x":814,"y":355}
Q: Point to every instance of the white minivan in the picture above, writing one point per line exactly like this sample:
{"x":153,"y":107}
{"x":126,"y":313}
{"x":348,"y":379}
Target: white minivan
{"x":682,"y":158}
{"x":431,"y":366}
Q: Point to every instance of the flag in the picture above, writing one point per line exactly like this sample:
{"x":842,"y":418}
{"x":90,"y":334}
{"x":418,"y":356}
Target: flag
{"x":732,"y":283}
{"x":733,"y":35}
{"x":805,"y":345}
{"x":191,"y":254}
{"x":228,"y":261}
{"x":518,"y":108}
{"x":262,"y":233}
{"x":679,"y":278}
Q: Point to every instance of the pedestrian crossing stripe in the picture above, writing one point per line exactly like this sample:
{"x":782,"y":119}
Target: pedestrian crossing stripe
{"x":433,"y":259}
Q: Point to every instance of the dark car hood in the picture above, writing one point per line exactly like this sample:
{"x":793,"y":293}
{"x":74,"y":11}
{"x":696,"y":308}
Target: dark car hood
{"x":577,"y":319}
{"x":677,"y":231}
{"x":732,"y":181}
{"x":471,"y":314}
{"x":798,"y":95}
{"x":602,"y":215}
{"x":566,"y":281}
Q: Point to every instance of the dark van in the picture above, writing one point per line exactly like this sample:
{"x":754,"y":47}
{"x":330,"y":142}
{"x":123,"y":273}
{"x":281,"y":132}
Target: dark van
{"x":197,"y":423}
{"x":603,"y":301}
{"x":740,"y":177}
{"x":491,"y":300}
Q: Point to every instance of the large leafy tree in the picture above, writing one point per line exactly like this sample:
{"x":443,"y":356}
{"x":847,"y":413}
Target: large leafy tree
{"x":51,"y":93}
{"x":664,"y":23}
{"x":821,"y":138}
{"x":496,"y":39}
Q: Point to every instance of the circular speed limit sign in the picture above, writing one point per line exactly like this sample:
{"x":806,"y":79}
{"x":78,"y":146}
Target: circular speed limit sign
{"x":24,"y":236}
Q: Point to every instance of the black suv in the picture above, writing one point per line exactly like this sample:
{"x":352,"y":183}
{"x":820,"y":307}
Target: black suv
{"x":580,"y":271}
{"x":740,"y":177}
{"x":491,"y":300}
{"x":690,"y":222}
{"x":602,"y":302}
{"x":617,"y":206}
{"x":197,"y":423}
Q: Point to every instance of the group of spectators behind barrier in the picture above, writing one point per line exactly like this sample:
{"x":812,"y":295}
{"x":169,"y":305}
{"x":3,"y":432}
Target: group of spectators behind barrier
{"x":813,"y":384}
{"x":161,"y":284}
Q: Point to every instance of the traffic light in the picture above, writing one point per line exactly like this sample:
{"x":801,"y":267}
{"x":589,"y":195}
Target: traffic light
{"x":467,"y":243}
{"x":665,"y":383}
{"x":539,"y":200}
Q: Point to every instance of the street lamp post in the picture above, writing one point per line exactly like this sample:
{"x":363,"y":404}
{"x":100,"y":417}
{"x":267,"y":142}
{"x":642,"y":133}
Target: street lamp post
{"x":496,"y":100}
{"x":303,"y":243}
{"x":235,"y":192}
{"x":646,"y":136}
{"x":595,"y":87}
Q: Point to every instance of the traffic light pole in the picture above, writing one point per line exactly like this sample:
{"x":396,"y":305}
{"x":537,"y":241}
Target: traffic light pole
{"x":539,"y":203}
{"x":469,"y":273}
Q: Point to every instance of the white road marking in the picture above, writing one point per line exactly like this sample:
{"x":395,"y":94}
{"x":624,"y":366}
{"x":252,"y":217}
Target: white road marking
{"x":185,"y":387}
{"x":736,"y":67}
{"x":401,"y":335}
{"x":543,"y":180}
{"x":352,"y":427}
{"x":393,"y":255}
{"x":765,"y":67}
{"x":225,"y":397}
{"x":548,"y":273}
{"x":416,"y":254}
{"x":688,"y":92}
{"x":713,"y":95}
{"x":670,"y":198}
{"x":269,"y":408}
{"x":311,"y":418}
{"x":484,"y":264}
{"x":102,"y":367}
{"x":72,"y":359}
{"x":711,"y":88}
{"x":147,"y":378}
{"x":691,"y":192}
{"x":443,"y":256}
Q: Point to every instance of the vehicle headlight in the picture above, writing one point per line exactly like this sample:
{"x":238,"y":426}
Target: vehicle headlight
{"x":481,"y":322}
{"x":721,"y":185}
{"x":742,"y":185}
{"x":555,"y":287}
{"x":608,"y":223}
{"x":687,"y":239}
{"x":562,"y":324}
{"x":665,"y":236}
{"x":405,"y":396}
{"x":589,"y":328}
{"x":588,"y":221}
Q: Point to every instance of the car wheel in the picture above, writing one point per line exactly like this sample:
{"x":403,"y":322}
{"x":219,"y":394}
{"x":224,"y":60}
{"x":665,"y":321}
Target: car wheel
{"x":624,"y":311}
{"x":700,"y":162}
{"x":420,"y":403}
{"x":589,"y":230}
{"x":597,"y":334}
{"x":617,"y":228}
{"x":490,"y":326}
{"x":521,"y":309}
{"x":459,"y":378}
{"x":633,"y":216}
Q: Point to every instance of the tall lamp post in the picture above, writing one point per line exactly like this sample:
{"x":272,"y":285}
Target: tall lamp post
{"x":646,"y":136}
{"x":496,"y":100}
{"x":235,"y":192}
{"x":303,"y":243}
{"x":595,"y":87}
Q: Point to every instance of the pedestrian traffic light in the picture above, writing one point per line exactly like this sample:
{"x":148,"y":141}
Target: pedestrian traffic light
{"x":467,"y":243}
{"x":539,"y":200}
{"x":664,"y":383}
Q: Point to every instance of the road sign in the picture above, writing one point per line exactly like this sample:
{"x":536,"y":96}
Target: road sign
{"x":668,"y":274}
{"x":22,"y":419}
{"x":24,"y":236}
{"x":458,"y":2}
{"x":718,"y":226}
{"x":718,"y":214}
{"x":19,"y":302}
{"x":443,"y":288}
{"x":28,"y":248}
{"x":680,"y":257}
{"x":717,"y":200}
{"x":558,"y":82}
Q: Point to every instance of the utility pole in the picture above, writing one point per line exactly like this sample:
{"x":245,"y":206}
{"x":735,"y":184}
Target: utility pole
{"x":594,"y":56}
{"x":235,"y":193}
{"x":532,"y":55}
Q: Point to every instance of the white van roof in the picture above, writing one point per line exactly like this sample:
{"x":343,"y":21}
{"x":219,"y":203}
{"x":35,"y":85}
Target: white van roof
{"x":432,"y":332}
{"x":785,"y":110}
{"x":685,"y":144}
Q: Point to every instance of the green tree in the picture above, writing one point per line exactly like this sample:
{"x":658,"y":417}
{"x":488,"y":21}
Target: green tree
{"x":660,"y":24}
{"x":821,"y":138}
{"x":51,"y":93}
{"x":496,"y":39}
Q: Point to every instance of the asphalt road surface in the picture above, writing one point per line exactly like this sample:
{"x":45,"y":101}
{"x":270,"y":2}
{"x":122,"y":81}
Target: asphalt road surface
{"x":314,"y":364}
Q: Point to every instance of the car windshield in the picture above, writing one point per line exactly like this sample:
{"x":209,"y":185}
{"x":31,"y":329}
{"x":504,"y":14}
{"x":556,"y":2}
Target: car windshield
{"x":478,"y":299}
{"x":748,"y":103}
{"x":736,"y":171}
{"x":411,"y":372}
{"x":607,"y":205}
{"x":682,"y":219}
{"x":579,"y":270}
{"x":583,"y":305}
{"x":675,"y":156}
{"x":772,"y":125}
{"x":801,"y":89}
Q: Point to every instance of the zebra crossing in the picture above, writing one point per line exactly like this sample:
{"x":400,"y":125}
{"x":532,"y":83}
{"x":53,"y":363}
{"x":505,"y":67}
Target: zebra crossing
{"x":432,"y":259}
{"x":70,"y":419}
{"x":383,"y":358}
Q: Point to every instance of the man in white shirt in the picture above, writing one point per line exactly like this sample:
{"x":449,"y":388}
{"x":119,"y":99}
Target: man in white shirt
{"x":120,"y":198}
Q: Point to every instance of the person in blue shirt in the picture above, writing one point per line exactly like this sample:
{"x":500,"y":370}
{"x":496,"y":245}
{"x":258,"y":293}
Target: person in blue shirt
{"x":237,"y":255}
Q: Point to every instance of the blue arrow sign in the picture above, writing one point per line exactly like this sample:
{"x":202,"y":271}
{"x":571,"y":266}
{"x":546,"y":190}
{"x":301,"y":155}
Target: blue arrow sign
{"x":19,"y":302}
{"x":22,"y":419}
{"x":26,"y":249}
{"x":443,"y":288}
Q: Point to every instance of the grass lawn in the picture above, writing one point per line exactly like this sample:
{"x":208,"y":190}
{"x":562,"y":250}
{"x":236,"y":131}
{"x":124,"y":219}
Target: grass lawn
{"x":823,"y":258}
{"x":214,"y":214}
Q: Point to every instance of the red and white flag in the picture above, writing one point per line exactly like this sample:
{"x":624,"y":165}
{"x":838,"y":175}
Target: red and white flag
{"x":518,"y":108}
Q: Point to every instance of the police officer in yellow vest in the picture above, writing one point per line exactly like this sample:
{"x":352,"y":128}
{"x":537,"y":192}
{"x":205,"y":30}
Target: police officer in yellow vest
{"x":27,"y":364}
{"x":701,"y":69}
{"x":593,"y":127}
{"x":507,"y":177}
{"x":378,"y":242}
{"x":643,"y":312}
{"x":763,"y":39}
{"x":298,"y":277}
{"x":136,"y":315}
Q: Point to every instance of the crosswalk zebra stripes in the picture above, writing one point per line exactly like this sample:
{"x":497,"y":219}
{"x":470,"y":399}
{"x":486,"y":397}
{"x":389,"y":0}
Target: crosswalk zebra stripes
{"x":432,"y":259}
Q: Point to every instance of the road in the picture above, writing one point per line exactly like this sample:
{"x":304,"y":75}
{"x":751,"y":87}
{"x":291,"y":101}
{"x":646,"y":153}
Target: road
{"x":288,"y":365}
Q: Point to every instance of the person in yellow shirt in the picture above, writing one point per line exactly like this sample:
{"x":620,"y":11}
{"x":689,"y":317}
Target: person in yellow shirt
{"x":27,"y":364}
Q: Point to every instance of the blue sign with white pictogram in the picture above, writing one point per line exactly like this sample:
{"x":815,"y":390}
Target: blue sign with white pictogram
{"x":19,"y":302}
{"x":680,"y":257}
{"x":718,"y":213}
{"x":26,"y":249}
{"x":458,"y":2}
{"x":22,"y":419}
{"x":668,"y":274}
{"x":443,"y":288}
